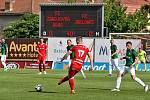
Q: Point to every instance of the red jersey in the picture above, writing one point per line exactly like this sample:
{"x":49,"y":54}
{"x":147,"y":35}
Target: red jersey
{"x":42,"y":47}
{"x":80,"y":52}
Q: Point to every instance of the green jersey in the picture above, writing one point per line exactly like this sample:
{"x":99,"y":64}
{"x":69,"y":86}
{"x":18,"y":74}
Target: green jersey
{"x":130,"y":57}
{"x":4,"y":48}
{"x":113,"y":50}
{"x":72,"y":54}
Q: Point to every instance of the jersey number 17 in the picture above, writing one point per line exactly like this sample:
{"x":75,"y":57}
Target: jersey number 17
{"x":81,"y":53}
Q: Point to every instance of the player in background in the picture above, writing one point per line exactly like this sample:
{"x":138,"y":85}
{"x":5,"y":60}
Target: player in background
{"x":131,"y":59}
{"x":4,"y":52}
{"x":42,"y":48}
{"x":114,"y":58}
{"x":80,"y":52}
{"x":142,"y":58}
{"x":0,"y":46}
{"x":70,"y":45}
{"x":89,"y":1}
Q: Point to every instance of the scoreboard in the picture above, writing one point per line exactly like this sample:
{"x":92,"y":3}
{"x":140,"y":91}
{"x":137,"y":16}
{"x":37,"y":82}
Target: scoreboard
{"x":70,"y":20}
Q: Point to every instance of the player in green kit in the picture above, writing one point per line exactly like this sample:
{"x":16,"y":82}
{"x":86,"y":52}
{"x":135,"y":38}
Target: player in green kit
{"x":114,"y":58}
{"x":142,"y":58}
{"x":4,"y":51}
{"x":70,"y":45}
{"x":131,"y":59}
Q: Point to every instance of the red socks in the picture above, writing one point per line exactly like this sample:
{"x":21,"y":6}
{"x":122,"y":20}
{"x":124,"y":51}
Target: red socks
{"x":71,"y":83}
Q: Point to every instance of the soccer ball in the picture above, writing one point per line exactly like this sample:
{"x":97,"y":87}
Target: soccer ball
{"x":38,"y":88}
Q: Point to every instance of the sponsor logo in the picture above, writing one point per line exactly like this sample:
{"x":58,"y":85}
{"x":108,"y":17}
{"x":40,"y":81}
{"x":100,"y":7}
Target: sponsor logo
{"x":103,"y":50}
{"x":22,"y":47}
{"x":96,"y":67}
{"x":59,"y":50}
{"x":12,"y":65}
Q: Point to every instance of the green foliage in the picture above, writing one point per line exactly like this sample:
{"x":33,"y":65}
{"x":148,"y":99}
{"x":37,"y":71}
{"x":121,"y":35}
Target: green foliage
{"x":137,"y":21}
{"x":117,"y":20}
{"x":115,"y":17}
{"x":26,"y":27}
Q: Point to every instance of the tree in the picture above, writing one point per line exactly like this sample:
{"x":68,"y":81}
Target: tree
{"x":137,"y":21}
{"x":26,"y":27}
{"x":114,"y":16}
{"x":118,"y":21}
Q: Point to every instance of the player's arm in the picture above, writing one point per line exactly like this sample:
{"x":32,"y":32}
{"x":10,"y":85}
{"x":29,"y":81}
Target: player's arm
{"x":135,"y":62}
{"x":91,"y":60}
{"x":39,"y":51}
{"x":66,"y":55}
{"x":6,"y":47}
{"x":46,"y":47}
{"x":136,"y":58}
{"x":116,"y":51}
{"x":145,"y":54}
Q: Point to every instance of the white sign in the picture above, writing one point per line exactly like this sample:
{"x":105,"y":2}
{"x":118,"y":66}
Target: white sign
{"x":121,"y":46}
{"x":121,"y":43}
{"x":57,"y":47}
{"x":102,"y":49}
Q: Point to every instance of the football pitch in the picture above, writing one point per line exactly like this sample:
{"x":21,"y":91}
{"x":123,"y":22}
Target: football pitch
{"x":19,"y":85}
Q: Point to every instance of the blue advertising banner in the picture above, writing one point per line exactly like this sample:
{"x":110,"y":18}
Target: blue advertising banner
{"x":141,"y":67}
{"x":96,"y":66}
{"x":86,"y":66}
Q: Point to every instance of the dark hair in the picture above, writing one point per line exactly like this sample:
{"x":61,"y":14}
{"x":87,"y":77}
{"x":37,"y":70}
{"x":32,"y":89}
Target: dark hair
{"x":79,"y":39}
{"x":69,"y":40}
{"x":129,"y":42}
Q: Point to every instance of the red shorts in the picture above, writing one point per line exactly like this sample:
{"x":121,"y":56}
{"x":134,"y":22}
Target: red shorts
{"x":41,"y":59}
{"x":76,"y":67}
{"x":72,"y":73}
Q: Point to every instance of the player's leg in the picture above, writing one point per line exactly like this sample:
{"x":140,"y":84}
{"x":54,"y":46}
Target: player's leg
{"x":145,"y":66}
{"x":137,"y":66}
{"x":138,"y":80}
{"x":120,"y":74}
{"x":82,"y":72}
{"x":69,"y":64}
{"x":44,"y":67}
{"x":71,"y":80}
{"x":40,"y":67}
{"x":71,"y":74}
{"x":3,"y":60}
{"x":71,"y":83}
{"x":116,"y":64}
{"x":110,"y":68}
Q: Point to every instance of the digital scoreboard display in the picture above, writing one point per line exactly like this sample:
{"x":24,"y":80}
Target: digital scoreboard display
{"x":70,"y":20}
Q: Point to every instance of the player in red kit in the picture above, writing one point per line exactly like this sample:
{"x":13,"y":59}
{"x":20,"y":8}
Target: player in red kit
{"x":80,"y":52}
{"x":42,"y":48}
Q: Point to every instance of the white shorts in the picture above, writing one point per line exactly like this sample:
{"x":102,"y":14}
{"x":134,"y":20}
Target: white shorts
{"x":115,"y":63}
{"x":127,"y":69}
{"x":3,"y":58}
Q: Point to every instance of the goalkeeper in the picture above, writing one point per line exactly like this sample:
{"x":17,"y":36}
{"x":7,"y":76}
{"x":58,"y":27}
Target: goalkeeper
{"x":142,"y":58}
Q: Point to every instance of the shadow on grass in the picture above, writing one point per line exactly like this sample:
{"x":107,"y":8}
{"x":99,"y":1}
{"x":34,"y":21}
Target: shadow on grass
{"x":24,"y":73}
{"x":98,"y":89}
{"x":43,"y":92}
{"x":46,"y":77}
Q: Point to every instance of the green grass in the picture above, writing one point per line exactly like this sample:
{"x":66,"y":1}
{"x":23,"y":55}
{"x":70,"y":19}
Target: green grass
{"x":19,"y":85}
